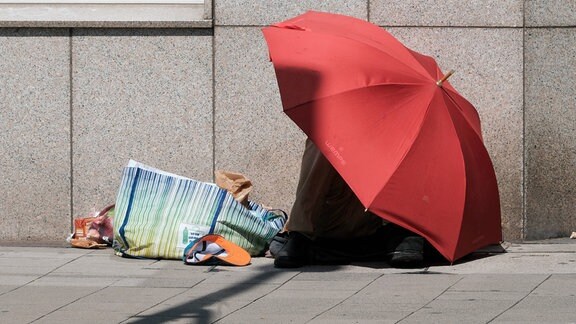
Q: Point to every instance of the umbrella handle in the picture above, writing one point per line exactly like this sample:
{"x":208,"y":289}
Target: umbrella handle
{"x":439,"y":82}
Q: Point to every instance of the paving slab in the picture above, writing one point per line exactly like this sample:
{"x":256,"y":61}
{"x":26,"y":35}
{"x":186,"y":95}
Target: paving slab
{"x":515,"y":282}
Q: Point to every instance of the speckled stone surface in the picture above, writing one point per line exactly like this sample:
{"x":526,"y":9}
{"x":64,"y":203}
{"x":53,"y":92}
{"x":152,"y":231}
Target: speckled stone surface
{"x":446,"y":12}
{"x":143,"y":95}
{"x":488,"y":72}
{"x":260,"y":13}
{"x":550,"y":13}
{"x":551,"y":139}
{"x":76,"y":104}
{"x":35,"y":128}
{"x":253,"y":135}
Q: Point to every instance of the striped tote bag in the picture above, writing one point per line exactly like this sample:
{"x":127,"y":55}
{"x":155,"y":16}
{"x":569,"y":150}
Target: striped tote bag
{"x":158,"y":214}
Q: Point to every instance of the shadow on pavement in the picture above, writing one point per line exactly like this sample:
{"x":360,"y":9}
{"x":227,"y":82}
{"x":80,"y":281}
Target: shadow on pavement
{"x":197,"y":310}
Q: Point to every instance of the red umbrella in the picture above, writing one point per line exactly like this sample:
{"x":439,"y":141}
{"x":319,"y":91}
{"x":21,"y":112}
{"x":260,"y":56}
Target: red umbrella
{"x":399,"y":134}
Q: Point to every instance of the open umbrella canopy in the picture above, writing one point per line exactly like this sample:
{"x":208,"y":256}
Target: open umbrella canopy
{"x":406,"y":142}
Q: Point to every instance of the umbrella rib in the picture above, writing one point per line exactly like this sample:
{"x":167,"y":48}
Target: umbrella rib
{"x":351,"y":90}
{"x":449,"y":95}
{"x":407,"y":50}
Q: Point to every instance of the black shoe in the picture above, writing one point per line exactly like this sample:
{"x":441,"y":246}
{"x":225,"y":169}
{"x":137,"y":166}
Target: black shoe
{"x":295,"y":253}
{"x":408,"y":254}
{"x":278,"y":241}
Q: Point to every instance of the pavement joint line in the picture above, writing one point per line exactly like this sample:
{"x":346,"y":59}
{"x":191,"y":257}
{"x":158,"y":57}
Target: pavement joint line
{"x":537,"y":278}
{"x":347,"y":298}
{"x":210,"y":268}
{"x":138,"y":318}
{"x":70,"y":303}
{"x":256,"y":299}
{"x":45,"y":274}
{"x":431,"y":300}
{"x":521,"y":299}
{"x":162,"y":301}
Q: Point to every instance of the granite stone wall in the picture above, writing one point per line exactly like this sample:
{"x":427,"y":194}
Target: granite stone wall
{"x":77,"y":103}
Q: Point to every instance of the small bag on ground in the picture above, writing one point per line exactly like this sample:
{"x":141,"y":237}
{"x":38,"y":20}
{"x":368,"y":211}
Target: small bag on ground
{"x":94,"y":231}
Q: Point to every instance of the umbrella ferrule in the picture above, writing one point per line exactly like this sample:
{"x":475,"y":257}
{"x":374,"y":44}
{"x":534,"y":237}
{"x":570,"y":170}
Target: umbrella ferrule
{"x":441,"y":81}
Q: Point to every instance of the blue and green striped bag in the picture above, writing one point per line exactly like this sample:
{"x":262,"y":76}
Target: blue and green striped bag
{"x":158,"y":214}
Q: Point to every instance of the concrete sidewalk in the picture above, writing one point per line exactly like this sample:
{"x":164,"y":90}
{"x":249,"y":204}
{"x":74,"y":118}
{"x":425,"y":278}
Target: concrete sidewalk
{"x":530,"y":283}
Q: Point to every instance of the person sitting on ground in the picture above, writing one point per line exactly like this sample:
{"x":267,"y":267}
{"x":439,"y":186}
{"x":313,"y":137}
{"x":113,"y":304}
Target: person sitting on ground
{"x":326,"y":208}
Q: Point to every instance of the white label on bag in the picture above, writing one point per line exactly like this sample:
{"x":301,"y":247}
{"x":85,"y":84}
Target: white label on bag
{"x":190,"y":232}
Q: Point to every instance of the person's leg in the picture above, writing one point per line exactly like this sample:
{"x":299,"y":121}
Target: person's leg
{"x":314,"y":181}
{"x":343,"y":216}
{"x":316,"y":176}
{"x":324,"y":207}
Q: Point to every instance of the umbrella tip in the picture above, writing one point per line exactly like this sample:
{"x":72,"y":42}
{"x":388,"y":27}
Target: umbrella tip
{"x":439,"y":82}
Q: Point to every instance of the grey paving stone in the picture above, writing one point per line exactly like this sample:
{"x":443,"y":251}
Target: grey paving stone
{"x":282,"y":307}
{"x":101,"y":315}
{"x":557,"y":285}
{"x":508,"y":282}
{"x":541,"y":309}
{"x":473,"y":291}
{"x":155,"y":282}
{"x":73,"y":281}
{"x":223,"y":293}
{"x":17,"y":279}
{"x":28,"y":303}
{"x":193,"y":309}
{"x":458,"y":312}
{"x":367,"y":311}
